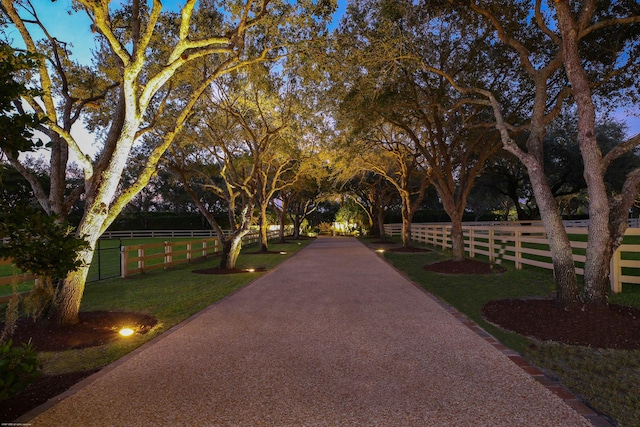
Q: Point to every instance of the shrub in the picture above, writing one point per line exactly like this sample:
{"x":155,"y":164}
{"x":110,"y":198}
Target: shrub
{"x":19,"y":367}
{"x":325,"y":228}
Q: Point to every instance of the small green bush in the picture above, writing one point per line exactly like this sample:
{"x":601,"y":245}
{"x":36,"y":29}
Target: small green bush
{"x":19,"y":367}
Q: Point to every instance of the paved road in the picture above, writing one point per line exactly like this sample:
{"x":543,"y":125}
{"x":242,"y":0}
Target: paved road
{"x":331,"y":337}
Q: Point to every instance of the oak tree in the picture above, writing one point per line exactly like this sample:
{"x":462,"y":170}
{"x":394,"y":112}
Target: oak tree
{"x":568,"y":54}
{"x":146,"y":50}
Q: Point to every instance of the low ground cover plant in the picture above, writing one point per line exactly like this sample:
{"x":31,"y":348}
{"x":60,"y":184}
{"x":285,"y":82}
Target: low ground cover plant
{"x":19,"y":367}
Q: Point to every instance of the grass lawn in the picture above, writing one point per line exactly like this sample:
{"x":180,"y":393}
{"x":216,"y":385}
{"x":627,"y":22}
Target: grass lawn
{"x":169,"y":295}
{"x":106,"y":260}
{"x":607,"y":380}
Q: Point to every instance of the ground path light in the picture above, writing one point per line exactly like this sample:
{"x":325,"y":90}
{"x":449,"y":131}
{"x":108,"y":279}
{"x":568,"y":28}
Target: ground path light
{"x":126,"y":332}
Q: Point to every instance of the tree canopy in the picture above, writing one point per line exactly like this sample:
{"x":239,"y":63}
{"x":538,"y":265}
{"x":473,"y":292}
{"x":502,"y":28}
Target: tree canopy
{"x":255,"y":105}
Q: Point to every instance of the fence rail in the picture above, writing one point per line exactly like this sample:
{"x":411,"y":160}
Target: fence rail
{"x":16,"y":278}
{"x":155,"y":234}
{"x":147,"y":257}
{"x":151,"y":256}
{"x":528,"y":245}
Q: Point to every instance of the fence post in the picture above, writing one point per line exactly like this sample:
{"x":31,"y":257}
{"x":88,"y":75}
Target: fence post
{"x":123,"y":262}
{"x":141,"y":258}
{"x":204,"y":248}
{"x":616,"y":272}
{"x":447,"y":235}
{"x":472,"y":243}
{"x":491,"y":245}
{"x":518,"y":249}
{"x":168,"y":257}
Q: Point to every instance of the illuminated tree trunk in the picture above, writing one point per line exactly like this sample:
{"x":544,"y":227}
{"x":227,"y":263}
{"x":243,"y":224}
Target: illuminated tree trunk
{"x":67,"y":299}
{"x":263,"y":224}
{"x":230,"y":251}
{"x":407,"y":218}
{"x":281,"y":224}
{"x":282,"y":219}
{"x":68,"y":296}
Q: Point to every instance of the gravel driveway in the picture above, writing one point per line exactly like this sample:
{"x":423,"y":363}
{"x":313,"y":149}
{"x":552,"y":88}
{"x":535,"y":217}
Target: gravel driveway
{"x":331,"y":337}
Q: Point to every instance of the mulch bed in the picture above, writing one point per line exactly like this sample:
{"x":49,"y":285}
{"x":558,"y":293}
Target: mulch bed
{"x":408,"y":250}
{"x":93,"y":329}
{"x":613,"y":327}
{"x":38,"y":392}
{"x":217,"y":270}
{"x":466,"y":266}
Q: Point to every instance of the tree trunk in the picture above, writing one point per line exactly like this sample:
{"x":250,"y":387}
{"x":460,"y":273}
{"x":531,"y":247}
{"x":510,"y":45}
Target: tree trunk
{"x":407,"y":217}
{"x":66,"y":306}
{"x":560,"y":247}
{"x":67,"y":298}
{"x":375,"y":227}
{"x":230,"y":251}
{"x":457,"y":238}
{"x":262,"y":222}
{"x":406,"y":232}
{"x":513,"y":196}
{"x":281,"y":236}
{"x":599,"y":243}
{"x":282,"y":217}
{"x":455,"y":215}
{"x":380,"y":215}
{"x":296,"y":226}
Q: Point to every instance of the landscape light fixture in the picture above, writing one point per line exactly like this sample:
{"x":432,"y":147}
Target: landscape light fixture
{"x":380,"y":251}
{"x":251,"y":270}
{"x":126,"y":332}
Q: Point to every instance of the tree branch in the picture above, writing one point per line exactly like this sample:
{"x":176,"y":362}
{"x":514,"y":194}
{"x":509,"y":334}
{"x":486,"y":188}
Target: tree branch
{"x":617,"y":151}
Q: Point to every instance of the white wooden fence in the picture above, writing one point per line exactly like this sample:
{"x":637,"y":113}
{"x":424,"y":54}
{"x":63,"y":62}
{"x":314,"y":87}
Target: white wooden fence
{"x":527,"y":244}
{"x":146,"y":257}
{"x":152,"y":256}
{"x":156,"y":234}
